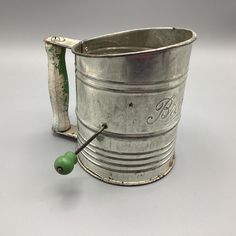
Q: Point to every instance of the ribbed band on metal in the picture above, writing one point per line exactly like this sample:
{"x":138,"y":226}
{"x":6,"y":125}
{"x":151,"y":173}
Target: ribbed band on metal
{"x":127,"y":162}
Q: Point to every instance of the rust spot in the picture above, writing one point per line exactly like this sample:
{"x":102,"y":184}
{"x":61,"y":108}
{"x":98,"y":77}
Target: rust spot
{"x":131,"y":104}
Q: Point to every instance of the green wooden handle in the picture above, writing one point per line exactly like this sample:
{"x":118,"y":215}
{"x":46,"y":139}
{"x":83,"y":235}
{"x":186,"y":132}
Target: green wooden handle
{"x":57,"y":80}
{"x":58,"y":86}
{"x":65,"y":164}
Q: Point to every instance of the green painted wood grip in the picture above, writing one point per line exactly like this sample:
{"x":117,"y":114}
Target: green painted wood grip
{"x":65,"y":164}
{"x":58,"y":86}
{"x":58,"y":81}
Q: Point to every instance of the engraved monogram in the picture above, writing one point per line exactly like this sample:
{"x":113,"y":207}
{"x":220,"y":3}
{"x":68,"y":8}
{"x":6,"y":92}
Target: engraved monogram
{"x":165,"y":109}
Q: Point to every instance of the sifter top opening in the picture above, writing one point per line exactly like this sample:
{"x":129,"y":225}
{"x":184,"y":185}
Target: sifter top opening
{"x":134,"y":42}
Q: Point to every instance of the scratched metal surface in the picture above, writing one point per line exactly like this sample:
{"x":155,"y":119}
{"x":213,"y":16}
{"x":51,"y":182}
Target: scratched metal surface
{"x":134,"y":82}
{"x":138,"y":94}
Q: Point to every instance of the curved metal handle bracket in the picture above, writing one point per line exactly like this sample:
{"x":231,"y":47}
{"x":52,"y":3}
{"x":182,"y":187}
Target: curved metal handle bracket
{"x":72,"y":132}
{"x":61,"y":41}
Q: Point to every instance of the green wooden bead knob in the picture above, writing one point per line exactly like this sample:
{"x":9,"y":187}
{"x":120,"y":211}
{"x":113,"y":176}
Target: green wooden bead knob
{"x":65,"y":164}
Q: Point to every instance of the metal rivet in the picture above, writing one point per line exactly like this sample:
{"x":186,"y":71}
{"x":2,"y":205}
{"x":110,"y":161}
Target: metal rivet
{"x":57,"y":39}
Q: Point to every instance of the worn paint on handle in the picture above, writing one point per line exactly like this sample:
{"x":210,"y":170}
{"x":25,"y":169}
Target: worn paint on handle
{"x":58,"y":86}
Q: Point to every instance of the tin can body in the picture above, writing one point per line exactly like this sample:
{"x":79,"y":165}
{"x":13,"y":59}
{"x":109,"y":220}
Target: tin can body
{"x":139,"y":96}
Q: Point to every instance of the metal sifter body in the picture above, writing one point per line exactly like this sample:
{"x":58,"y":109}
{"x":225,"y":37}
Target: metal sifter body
{"x":132,"y":84}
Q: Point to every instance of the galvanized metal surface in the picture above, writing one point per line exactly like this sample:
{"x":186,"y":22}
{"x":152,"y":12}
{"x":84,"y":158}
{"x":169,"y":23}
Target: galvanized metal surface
{"x":133,"y":81}
{"x":61,"y":41}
